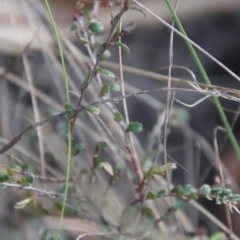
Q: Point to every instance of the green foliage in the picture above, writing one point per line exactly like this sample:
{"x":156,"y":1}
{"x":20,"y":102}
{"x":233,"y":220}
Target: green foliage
{"x":86,"y":79}
{"x":114,"y":87}
{"x":106,"y":55}
{"x":123,"y":46}
{"x":87,"y":178}
{"x":4,"y":177}
{"x":106,"y":72}
{"x":96,"y":27}
{"x":148,"y":212}
{"x":24,"y":167}
{"x":76,"y":148}
{"x":218,"y":236}
{"x":94,"y":110}
{"x":134,"y":127}
{"x":29,"y":178}
{"x":109,"y":87}
{"x":207,"y":81}
{"x":128,"y":29}
{"x":98,"y":162}
{"x":102,"y":145}
{"x":119,"y":169}
{"x":68,"y":107}
{"x":117,"y":117}
{"x":104,"y":89}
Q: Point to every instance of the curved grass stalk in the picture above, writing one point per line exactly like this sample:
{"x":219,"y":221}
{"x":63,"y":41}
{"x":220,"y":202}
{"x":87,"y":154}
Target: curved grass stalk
{"x":69,"y":124}
{"x":207,"y":80}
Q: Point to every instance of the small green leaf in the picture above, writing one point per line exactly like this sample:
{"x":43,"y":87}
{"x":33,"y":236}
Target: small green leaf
{"x":29,"y":177}
{"x":86,"y":79}
{"x":189,"y":189}
{"x":123,"y":46}
{"x":94,"y":110}
{"x":162,"y":169}
{"x":218,"y":236}
{"x":193,"y":195}
{"x":10,"y":172}
{"x":74,"y":26}
{"x":114,"y":87}
{"x":129,"y":28}
{"x":114,"y":179}
{"x":178,"y":191}
{"x":235,"y":198}
{"x":106,"y":55}
{"x":164,"y":218}
{"x":139,"y":10}
{"x":147,"y":211}
{"x":24,"y":183}
{"x":104,"y":89}
{"x":76,"y":148}
{"x":205,"y":189}
{"x":171,"y":209}
{"x":119,"y":168}
{"x":226,"y":192}
{"x":3,"y":177}
{"x":181,"y":205}
{"x":117,"y":117}
{"x":102,"y":145}
{"x":134,"y":127}
{"x":155,"y":170}
{"x":151,"y":195}
{"x":98,"y":162}
{"x":68,"y":107}
{"x":96,"y":27}
{"x":24,"y":167}
{"x":216,"y":191}
{"x":106,"y":72}
{"x":160,"y":193}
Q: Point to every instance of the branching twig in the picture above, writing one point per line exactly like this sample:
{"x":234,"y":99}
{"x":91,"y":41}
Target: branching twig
{"x":40,"y":191}
{"x":58,"y":116}
{"x":215,"y":143}
{"x":100,"y":54}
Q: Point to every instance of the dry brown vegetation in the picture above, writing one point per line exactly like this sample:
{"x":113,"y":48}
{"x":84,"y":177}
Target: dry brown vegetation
{"x":123,"y":184}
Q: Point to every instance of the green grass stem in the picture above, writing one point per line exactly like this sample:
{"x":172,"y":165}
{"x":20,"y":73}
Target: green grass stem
{"x":207,"y":81}
{"x":69,"y":125}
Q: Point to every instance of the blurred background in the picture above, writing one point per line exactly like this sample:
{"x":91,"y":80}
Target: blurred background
{"x":25,"y":33}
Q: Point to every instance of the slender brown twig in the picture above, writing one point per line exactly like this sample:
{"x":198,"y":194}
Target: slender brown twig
{"x":99,"y":56}
{"x":98,"y":103}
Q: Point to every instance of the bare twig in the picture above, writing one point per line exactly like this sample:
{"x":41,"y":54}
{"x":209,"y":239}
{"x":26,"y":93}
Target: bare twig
{"x":189,"y":40}
{"x":129,"y":137}
{"x":169,"y":102}
{"x":40,"y":191}
{"x":229,"y":220}
{"x":31,"y":88}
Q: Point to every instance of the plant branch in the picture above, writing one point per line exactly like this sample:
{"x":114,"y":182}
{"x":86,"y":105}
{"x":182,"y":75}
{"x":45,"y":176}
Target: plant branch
{"x":69,"y":139}
{"x":99,"y":55}
{"x":98,"y":103}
